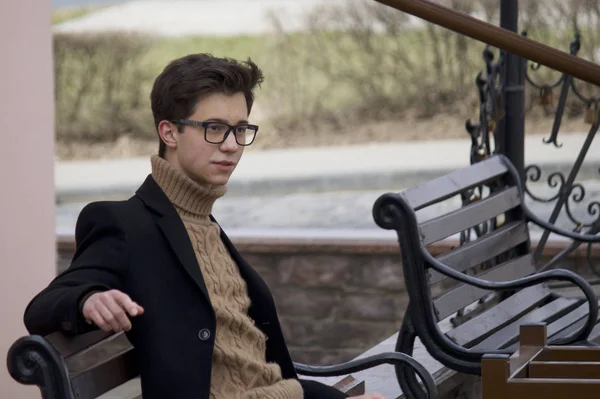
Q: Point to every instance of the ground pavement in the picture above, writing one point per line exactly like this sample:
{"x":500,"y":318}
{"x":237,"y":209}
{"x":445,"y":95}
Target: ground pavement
{"x":321,"y":188}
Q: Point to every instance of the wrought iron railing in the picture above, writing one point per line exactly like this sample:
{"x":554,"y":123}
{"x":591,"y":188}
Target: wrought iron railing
{"x":569,"y":193}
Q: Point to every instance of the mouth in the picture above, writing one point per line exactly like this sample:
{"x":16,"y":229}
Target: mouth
{"x":225,"y":163}
{"x":224,"y":166}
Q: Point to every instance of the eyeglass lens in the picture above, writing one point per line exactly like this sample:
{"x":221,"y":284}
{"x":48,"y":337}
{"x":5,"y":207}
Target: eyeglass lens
{"x":215,"y":133}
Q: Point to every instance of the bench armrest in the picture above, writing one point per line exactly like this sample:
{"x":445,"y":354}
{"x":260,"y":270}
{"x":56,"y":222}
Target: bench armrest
{"x":524,"y":282}
{"x":590,"y":237}
{"x":353,"y":366}
{"x":32,"y":360}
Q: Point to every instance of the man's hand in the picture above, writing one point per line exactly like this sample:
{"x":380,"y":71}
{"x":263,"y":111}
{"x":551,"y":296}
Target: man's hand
{"x":109,"y":310}
{"x":369,"y":396}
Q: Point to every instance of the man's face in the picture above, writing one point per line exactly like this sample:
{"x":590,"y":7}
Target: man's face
{"x":202,"y":161}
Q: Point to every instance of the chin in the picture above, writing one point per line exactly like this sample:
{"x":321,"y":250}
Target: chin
{"x":218,"y":181}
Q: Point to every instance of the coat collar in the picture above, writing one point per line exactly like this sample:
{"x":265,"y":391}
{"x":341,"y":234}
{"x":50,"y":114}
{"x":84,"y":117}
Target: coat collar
{"x":154,"y":197}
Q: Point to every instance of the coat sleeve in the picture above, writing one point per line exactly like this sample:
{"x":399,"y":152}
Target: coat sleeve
{"x":100,"y":263}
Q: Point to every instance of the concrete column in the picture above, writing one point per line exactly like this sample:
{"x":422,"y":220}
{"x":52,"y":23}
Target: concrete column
{"x":27,"y":231}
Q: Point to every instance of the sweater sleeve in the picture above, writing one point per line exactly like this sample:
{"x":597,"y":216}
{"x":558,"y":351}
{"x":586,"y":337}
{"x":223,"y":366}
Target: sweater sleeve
{"x":100,"y":263}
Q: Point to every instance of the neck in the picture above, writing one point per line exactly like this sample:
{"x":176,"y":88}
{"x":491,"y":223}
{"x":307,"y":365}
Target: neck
{"x":191,"y":199}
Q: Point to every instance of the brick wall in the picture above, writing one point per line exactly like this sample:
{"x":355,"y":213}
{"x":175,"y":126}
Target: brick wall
{"x":333,"y":306}
{"x":336,"y":298}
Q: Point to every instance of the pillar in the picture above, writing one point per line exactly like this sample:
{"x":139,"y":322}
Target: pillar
{"x":27,"y":231}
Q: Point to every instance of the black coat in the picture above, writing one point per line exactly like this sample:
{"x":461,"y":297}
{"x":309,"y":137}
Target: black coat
{"x":141,"y":247}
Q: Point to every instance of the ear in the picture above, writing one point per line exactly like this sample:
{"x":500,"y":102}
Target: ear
{"x":168,"y":134}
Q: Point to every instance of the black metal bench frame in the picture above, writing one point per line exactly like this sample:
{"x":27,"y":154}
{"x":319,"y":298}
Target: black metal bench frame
{"x":397,"y":211}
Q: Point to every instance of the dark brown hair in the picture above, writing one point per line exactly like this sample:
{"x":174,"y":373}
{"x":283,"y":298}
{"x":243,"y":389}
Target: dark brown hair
{"x":182,"y":83}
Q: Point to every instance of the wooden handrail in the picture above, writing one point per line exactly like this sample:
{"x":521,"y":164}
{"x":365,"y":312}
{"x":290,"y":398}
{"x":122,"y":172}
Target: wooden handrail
{"x":499,"y":37}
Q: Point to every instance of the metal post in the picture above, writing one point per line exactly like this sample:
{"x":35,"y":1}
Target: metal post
{"x":511,"y":129}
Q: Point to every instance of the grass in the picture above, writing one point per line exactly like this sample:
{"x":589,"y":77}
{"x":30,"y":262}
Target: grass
{"x":329,"y":66}
{"x":231,"y":46}
{"x":164,"y":50}
{"x":339,"y":78}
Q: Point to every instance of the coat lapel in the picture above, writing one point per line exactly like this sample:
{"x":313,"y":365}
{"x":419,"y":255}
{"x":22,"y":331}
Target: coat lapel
{"x":173,"y":229}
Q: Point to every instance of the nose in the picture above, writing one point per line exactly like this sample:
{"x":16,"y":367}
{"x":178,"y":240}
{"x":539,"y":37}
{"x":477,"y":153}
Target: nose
{"x":229,"y":145}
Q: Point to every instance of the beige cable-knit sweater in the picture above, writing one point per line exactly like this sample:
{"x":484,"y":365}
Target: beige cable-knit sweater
{"x":239,"y":366}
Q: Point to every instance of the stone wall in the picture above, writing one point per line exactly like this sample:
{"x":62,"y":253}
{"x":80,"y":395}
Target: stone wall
{"x":333,"y":306}
{"x":336,"y":297}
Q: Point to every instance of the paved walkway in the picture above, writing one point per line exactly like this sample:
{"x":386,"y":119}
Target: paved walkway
{"x":336,"y":210}
{"x":320,"y":188}
{"x":197,"y":17}
{"x":359,"y":167}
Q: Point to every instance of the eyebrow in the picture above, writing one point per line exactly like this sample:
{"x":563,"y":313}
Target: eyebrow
{"x":224,"y":121}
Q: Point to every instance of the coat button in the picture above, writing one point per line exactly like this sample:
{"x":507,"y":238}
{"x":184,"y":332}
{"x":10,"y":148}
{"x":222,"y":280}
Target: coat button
{"x":204,"y":334}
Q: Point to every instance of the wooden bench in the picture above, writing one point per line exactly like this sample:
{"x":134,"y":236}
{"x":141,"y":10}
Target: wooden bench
{"x":82,"y":366}
{"x":492,"y":272}
{"x":102,"y":365}
{"x":540,"y":371}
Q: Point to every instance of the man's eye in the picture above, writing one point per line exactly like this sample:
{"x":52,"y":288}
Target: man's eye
{"x":215,"y":128}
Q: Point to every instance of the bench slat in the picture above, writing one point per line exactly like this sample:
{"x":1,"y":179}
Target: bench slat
{"x":563,"y":330}
{"x":111,"y":347}
{"x":482,"y":249}
{"x":577,"y":316}
{"x":68,"y":345}
{"x":570,"y":323}
{"x":132,"y":389}
{"x":465,"y":294}
{"x":101,"y":366}
{"x":453,"y":183}
{"x":108,"y":374}
{"x":468,"y":216}
{"x":510,"y":334}
{"x":595,"y":334}
{"x":482,"y":326}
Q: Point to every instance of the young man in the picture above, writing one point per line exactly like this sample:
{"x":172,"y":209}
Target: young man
{"x":159,"y":267}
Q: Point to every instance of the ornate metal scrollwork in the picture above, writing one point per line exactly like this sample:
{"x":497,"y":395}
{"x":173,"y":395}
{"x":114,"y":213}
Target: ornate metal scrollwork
{"x":569,"y":195}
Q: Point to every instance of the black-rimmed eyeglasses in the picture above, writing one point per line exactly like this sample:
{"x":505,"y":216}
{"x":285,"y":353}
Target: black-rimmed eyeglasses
{"x":217,"y":132}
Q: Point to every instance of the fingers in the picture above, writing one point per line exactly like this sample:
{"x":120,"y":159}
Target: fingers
{"x":95,"y":317}
{"x":109,"y":310}
{"x":117,"y":318}
{"x":111,"y":316}
{"x":126,"y":303}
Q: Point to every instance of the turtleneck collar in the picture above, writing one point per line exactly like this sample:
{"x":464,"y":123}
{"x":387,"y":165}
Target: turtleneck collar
{"x":191,"y":199}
